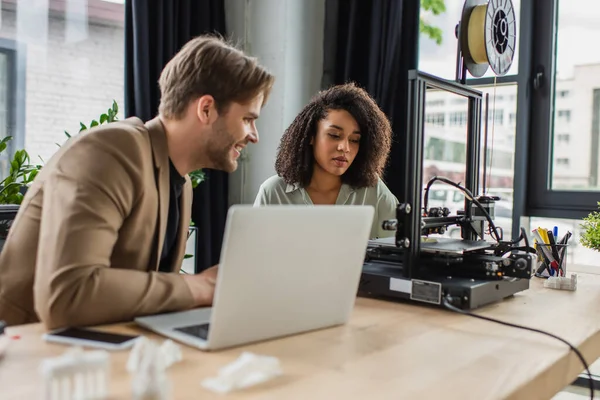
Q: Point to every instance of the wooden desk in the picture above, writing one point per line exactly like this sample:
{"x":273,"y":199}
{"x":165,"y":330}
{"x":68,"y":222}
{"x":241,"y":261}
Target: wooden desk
{"x":387,"y":351}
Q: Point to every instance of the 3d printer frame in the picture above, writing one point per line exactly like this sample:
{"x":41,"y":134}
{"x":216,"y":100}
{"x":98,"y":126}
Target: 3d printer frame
{"x":410,"y":221}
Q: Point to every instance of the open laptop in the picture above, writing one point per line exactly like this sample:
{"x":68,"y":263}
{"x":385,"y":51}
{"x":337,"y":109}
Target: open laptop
{"x":283,"y":270}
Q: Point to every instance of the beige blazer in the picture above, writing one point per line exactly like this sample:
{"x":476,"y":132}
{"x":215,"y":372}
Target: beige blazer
{"x":85,"y":246}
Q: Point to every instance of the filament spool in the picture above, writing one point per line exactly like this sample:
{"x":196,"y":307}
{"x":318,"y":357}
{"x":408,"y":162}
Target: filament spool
{"x":487,"y":35}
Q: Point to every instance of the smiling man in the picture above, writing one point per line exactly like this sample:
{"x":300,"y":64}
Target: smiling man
{"x":101,"y":234}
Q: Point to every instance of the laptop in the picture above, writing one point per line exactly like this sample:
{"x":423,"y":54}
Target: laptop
{"x":284,"y":270}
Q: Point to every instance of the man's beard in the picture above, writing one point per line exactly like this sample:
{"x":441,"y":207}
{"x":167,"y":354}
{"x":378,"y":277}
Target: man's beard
{"x":219,"y":150}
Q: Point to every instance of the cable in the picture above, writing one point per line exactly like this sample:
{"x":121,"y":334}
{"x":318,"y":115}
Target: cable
{"x":450,"y":307}
{"x":469,"y":196}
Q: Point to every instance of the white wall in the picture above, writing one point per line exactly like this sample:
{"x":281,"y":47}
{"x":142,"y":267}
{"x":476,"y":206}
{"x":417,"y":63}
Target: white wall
{"x":73,"y":73}
{"x":287,"y":37}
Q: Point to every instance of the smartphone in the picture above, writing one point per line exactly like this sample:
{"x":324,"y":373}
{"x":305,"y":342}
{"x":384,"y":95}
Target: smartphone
{"x":91,"y":338}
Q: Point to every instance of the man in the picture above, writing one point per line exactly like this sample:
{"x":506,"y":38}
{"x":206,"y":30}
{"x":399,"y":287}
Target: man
{"x":101,"y":233}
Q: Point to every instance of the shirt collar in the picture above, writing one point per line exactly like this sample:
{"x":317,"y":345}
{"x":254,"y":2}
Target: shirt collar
{"x":292,"y":187}
{"x":345,"y":189}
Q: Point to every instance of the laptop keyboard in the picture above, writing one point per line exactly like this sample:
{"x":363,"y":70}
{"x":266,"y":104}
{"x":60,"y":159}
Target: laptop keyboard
{"x":200,"y":331}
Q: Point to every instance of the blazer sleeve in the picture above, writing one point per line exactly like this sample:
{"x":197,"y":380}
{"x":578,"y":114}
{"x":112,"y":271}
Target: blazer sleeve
{"x":87,"y":195}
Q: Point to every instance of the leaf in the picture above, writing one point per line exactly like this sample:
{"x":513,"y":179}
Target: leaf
{"x":187,"y":256}
{"x":197,"y":177}
{"x":590,"y":236}
{"x":93,"y":123}
{"x":111,"y":116}
{"x":436,"y":7}
{"x":82,"y":127}
{"x":103,"y":118}
{"x":67,"y":133}
{"x":115,"y":107}
{"x":32,"y":175}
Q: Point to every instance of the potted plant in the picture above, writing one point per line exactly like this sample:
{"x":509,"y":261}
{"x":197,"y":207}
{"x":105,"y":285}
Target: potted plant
{"x":590,"y":236}
{"x":13,"y":187}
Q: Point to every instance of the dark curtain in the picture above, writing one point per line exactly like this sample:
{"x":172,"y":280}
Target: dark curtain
{"x":375,"y":43}
{"x":154,"y":31}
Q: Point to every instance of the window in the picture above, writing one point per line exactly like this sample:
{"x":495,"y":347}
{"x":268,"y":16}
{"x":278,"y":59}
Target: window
{"x":67,"y":61}
{"x":458,"y":118}
{"x":436,"y":119}
{"x":438,"y":195}
{"x":512,"y":119}
{"x":434,"y":103}
{"x":459,"y":101}
{"x":502,"y":211}
{"x":497,"y":117}
{"x":564,"y":115}
{"x":434,"y":149}
{"x":563,"y":138}
{"x":565,"y":179}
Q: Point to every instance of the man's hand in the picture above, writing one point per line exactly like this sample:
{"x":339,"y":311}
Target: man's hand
{"x":202,"y":286}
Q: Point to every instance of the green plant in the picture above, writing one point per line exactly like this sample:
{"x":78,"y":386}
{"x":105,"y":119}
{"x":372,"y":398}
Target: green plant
{"x":436,"y":7}
{"x":109,"y":116}
{"x":21,"y":174}
{"x":590,"y":236}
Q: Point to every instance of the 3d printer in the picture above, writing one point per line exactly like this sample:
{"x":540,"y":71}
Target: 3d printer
{"x":468,"y":272}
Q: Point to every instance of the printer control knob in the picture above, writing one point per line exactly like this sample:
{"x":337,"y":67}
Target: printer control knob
{"x":521,"y":264}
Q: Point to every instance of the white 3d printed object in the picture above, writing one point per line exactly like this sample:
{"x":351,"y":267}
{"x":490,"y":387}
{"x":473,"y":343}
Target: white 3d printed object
{"x":562,"y":282}
{"x":77,"y":374}
{"x":148,"y":362}
{"x":248,"y":370}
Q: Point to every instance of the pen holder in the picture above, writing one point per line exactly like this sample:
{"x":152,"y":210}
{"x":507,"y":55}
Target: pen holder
{"x":551,"y":260}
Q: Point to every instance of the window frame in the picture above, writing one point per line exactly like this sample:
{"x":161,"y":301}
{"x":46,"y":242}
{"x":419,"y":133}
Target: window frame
{"x":542,"y":200}
{"x":16,"y":55}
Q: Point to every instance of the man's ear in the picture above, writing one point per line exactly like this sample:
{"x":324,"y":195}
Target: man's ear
{"x":206,"y":109}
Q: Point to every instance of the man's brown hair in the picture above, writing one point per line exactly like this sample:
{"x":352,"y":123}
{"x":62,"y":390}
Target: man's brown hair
{"x":208,"y":65}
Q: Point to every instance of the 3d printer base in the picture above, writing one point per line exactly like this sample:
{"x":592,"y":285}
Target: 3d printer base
{"x":387,"y":281}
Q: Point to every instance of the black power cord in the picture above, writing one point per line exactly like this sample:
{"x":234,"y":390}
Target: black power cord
{"x":451,"y":307}
{"x":468,"y":195}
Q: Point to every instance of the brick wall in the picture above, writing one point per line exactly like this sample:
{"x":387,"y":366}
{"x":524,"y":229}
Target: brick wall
{"x":69,"y":77}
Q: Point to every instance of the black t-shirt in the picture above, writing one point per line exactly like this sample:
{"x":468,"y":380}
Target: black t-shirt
{"x":176,"y":182}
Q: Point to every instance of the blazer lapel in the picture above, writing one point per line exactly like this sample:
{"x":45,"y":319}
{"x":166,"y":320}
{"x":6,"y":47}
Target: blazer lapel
{"x":185,"y":215}
{"x":160,"y":153}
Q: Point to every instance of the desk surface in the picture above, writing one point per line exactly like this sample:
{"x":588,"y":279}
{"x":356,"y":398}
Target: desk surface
{"x":387,"y":351}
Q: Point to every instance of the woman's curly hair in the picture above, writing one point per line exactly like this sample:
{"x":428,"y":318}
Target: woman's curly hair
{"x":295,"y":159}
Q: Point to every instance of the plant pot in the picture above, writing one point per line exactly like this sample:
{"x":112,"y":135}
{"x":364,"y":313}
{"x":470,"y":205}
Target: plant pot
{"x":8,"y":212}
